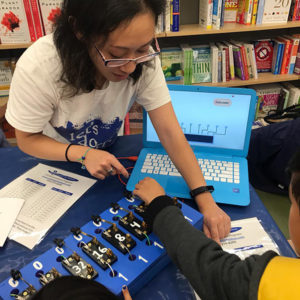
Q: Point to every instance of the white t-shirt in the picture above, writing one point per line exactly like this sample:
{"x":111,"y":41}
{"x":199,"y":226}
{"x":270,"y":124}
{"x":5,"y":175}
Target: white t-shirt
{"x":37,"y":104}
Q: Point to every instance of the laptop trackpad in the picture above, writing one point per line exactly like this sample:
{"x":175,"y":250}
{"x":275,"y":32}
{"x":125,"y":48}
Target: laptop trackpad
{"x":177,"y":186}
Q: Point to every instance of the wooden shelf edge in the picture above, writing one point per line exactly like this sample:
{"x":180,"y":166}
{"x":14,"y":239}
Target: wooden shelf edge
{"x":262,"y":78}
{"x":196,"y":29}
{"x":14,"y":46}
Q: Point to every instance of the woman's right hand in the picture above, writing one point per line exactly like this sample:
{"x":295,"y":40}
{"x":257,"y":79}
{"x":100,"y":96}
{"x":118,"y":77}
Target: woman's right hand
{"x":102,"y":164}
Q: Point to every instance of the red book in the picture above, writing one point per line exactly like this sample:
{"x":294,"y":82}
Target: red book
{"x":126,"y":125}
{"x":29,"y":20}
{"x":286,"y":55}
{"x":36,"y":14}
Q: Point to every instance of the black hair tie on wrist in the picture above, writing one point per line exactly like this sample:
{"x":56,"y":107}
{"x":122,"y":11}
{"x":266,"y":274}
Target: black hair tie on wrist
{"x":66,"y":152}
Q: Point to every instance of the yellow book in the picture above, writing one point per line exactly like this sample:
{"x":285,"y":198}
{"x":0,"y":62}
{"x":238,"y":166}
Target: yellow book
{"x":254,"y":12}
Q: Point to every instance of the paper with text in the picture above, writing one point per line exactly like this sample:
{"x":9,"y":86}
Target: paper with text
{"x":48,"y":193}
{"x":248,"y":237}
{"x":9,"y":210}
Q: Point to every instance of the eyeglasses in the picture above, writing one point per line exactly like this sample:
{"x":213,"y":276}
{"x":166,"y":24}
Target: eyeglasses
{"x":112,"y":63}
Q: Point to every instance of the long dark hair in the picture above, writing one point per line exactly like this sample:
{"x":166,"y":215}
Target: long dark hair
{"x":93,"y":18}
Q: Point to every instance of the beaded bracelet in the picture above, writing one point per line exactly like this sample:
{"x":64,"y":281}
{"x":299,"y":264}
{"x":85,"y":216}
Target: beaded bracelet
{"x":82,"y":158}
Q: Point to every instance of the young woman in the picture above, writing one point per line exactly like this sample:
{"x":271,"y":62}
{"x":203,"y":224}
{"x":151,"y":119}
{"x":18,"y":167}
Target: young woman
{"x":71,"y":91}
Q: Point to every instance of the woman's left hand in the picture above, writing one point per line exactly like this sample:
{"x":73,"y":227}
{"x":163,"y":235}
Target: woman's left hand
{"x":216,"y":223}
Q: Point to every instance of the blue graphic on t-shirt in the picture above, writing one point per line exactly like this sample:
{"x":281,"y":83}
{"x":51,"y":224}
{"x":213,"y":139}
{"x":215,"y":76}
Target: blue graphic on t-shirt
{"x":95,"y":133}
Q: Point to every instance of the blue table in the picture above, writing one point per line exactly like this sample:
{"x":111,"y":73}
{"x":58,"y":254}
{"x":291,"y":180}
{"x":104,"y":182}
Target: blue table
{"x":168,"y":284}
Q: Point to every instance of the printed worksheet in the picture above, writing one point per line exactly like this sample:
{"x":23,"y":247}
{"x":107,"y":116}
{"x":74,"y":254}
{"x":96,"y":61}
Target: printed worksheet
{"x":48,"y":193}
{"x":247,"y":237}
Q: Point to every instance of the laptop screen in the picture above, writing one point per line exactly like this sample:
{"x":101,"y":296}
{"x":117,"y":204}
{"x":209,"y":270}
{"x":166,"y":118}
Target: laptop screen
{"x":210,"y":119}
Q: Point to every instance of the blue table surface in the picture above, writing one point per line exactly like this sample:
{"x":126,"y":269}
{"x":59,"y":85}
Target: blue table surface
{"x":168,"y":284}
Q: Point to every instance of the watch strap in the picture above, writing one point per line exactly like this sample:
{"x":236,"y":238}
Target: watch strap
{"x":201,"y":190}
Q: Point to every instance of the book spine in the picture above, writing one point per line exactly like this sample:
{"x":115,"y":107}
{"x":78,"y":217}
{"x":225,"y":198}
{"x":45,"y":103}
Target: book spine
{"x":238,"y":65}
{"x":222,"y":13}
{"x":216,"y":14}
{"x":205,"y":13}
{"x":297,"y":63}
{"x":227,"y":64}
{"x":219,"y":65}
{"x":254,"y":12}
{"x":29,"y":20}
{"x":249,"y":67}
{"x":253,"y":62}
{"x":293,"y":55}
{"x":260,"y":11}
{"x":126,"y":125}
{"x":248,"y":12}
{"x":285,"y":56}
{"x":231,"y":62}
{"x":37,"y":18}
{"x":274,"y":57}
{"x":168,"y":16}
{"x":241,"y":12}
{"x":288,"y":58}
{"x":279,"y":58}
{"x":244,"y":62}
{"x":175,"y":13}
{"x":296,"y":5}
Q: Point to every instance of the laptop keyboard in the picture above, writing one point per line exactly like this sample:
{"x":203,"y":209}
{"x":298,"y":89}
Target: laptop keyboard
{"x":215,"y":170}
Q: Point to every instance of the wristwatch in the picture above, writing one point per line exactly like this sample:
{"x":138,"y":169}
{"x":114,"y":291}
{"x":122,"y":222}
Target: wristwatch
{"x":201,"y":189}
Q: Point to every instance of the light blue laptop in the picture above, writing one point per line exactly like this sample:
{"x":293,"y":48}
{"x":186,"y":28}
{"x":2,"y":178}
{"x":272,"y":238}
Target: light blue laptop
{"x":217,"y":123}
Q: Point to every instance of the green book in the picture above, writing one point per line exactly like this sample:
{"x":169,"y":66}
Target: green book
{"x":171,"y":63}
{"x":201,"y":64}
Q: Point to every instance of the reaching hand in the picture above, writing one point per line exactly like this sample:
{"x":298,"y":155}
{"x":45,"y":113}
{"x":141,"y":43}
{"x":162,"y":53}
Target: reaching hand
{"x":102,"y":164}
{"x":148,"y":189}
{"x":216,"y":223}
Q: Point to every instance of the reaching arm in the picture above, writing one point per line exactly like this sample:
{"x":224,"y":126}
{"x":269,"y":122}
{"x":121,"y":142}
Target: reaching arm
{"x":97,"y":162}
{"x":216,"y":222}
{"x":213,"y":273}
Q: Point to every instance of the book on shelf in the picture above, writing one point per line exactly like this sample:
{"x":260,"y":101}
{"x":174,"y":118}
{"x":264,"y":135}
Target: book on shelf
{"x":286,"y":54}
{"x":260,"y":11}
{"x":216,"y":14}
{"x":222,"y":13}
{"x":294,"y":93}
{"x":231,"y":60}
{"x":5,"y":74}
{"x":251,"y":53}
{"x":214,"y":62}
{"x":225,"y":61}
{"x":230,"y":11}
{"x":268,"y":95}
{"x":205,"y":13}
{"x":263,"y":54}
{"x":277,"y":56}
{"x":297,"y":62}
{"x":295,"y":39}
{"x":50,"y":10}
{"x":276,"y":12}
{"x":37,"y":19}
{"x":238,"y":64}
{"x":13,"y":23}
{"x":167,"y":15}
{"x":244,"y":58}
{"x":244,"y":12}
{"x":171,"y":62}
{"x":283,"y":98}
{"x":187,"y":63}
{"x":293,"y":10}
{"x":175,"y":14}
{"x":254,"y":12}
{"x":220,"y":74}
{"x":201,"y":64}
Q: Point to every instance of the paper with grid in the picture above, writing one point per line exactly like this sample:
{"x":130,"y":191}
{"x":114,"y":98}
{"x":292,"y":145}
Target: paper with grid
{"x":48,"y":193}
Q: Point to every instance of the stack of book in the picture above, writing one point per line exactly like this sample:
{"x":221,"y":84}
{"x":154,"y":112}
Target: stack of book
{"x":214,"y":13}
{"x":275,"y":97}
{"x":24,"y":21}
{"x":228,"y":60}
